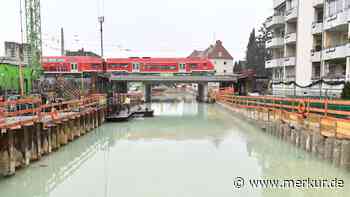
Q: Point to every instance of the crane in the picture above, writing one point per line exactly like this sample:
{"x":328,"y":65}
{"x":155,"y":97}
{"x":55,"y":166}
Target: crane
{"x":33,"y":34}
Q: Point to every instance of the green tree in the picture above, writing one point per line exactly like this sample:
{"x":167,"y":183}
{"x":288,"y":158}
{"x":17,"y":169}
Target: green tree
{"x":252,"y":52}
{"x":257,"y":53}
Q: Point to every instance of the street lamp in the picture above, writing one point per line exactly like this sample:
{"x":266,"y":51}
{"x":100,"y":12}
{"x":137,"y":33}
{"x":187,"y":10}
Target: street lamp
{"x":101,"y":20}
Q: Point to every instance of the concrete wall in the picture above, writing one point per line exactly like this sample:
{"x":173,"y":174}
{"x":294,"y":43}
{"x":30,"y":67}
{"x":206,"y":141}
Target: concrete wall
{"x":304,"y":42}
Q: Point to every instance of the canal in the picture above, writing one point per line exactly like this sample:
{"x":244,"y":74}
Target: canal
{"x":187,"y":150}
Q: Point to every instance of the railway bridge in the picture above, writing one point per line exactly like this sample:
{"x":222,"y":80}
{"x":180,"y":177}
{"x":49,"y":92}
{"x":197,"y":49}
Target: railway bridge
{"x":149,"y":80}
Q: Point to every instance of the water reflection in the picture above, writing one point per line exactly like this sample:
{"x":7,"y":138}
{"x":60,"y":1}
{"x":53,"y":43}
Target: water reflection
{"x":188,"y":149}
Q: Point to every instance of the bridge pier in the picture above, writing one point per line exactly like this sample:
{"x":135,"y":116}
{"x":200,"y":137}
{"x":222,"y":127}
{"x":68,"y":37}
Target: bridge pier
{"x":203,"y":92}
{"x":148,"y":92}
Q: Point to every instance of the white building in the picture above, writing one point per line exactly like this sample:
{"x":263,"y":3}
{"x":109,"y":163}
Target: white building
{"x":219,"y":56}
{"x":310,"y":42}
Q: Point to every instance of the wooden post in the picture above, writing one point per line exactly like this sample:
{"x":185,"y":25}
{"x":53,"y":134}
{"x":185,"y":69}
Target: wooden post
{"x":70,"y":129}
{"x":9,"y":156}
{"x":49,"y":142}
{"x":83,"y":124}
{"x":25,"y":146}
{"x":38,"y":130}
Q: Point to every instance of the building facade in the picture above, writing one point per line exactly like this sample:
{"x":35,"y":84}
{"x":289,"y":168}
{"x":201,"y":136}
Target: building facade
{"x":18,"y":52}
{"x":309,"y":47}
{"x":219,"y":56}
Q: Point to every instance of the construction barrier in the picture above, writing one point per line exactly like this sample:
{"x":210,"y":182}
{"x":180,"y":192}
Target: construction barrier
{"x":330,"y":117}
{"x":17,"y":113}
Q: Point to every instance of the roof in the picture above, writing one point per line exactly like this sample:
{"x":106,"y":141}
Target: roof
{"x":217,"y":51}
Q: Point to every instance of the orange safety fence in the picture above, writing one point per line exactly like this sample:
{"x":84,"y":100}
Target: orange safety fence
{"x":330,"y":117}
{"x":13,"y":115}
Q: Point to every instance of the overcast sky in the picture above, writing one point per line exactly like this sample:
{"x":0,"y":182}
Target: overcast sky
{"x":147,"y":28}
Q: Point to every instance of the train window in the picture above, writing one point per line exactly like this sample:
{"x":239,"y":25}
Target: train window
{"x":182,"y":66}
{"x":135,"y":66}
{"x":160,"y":67}
{"x":94,"y":66}
{"x":74,"y":67}
{"x":194,"y":66}
{"x":119,"y":65}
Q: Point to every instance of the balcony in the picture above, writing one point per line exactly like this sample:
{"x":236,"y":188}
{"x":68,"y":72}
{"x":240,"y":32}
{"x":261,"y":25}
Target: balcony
{"x":317,"y":27}
{"x":336,"y":20}
{"x":289,"y":61}
{"x":277,"y":3}
{"x":290,"y":77}
{"x":336,"y":52}
{"x":315,"y":77}
{"x":291,"y":14}
{"x":334,"y":77}
{"x":275,"y":43}
{"x":274,"y":21}
{"x":317,"y":3}
{"x":290,"y":38}
{"x":274,"y":63}
{"x":315,"y":56}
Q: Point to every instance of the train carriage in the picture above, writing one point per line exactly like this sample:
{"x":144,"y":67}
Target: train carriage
{"x":72,"y":64}
{"x":133,"y":65}
{"x":158,"y":66}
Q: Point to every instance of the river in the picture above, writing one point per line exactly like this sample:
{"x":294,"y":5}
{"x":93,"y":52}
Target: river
{"x":186,"y":150}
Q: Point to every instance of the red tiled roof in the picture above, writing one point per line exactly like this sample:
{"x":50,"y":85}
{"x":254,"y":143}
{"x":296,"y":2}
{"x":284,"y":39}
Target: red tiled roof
{"x":216,"y":51}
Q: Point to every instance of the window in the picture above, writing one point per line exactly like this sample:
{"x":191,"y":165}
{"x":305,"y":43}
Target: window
{"x":182,"y":66}
{"x":119,"y":65}
{"x":135,"y":66}
{"x":194,"y":66}
{"x":336,"y":6}
{"x":50,"y":60}
{"x":94,"y":66}
{"x":160,"y":67}
{"x":347,"y":4}
{"x":74,"y":66}
{"x":225,"y":63}
{"x":220,"y":54}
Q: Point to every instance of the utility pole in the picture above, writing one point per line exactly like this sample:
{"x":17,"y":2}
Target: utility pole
{"x":101,"y":20}
{"x":62,"y":43}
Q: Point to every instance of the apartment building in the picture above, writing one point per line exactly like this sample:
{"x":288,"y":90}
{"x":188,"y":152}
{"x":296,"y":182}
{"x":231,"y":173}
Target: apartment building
{"x":309,"y":43}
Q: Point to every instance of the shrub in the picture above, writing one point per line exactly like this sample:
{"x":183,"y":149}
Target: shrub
{"x":346,"y":92}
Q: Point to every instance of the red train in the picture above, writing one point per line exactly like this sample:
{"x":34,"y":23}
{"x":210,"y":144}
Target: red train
{"x":71,"y":64}
{"x":145,"y":65}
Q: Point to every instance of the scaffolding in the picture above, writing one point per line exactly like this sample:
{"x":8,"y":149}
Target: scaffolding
{"x":33,"y":34}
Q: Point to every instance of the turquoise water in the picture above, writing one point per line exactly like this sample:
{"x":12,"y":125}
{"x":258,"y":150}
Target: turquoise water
{"x":187,"y":150}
